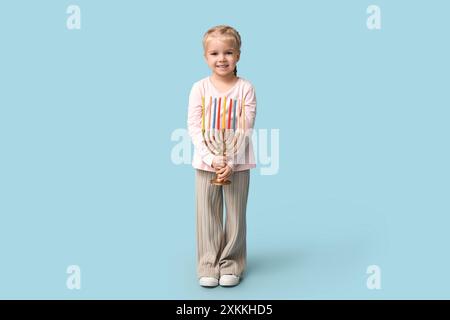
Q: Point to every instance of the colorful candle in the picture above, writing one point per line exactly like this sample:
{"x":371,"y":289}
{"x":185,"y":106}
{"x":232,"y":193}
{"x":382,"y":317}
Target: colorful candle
{"x":229,"y":112}
{"x":224,"y":112}
{"x":214,"y":117}
{"x":203,"y":113}
{"x":218,"y":115}
{"x":208,"y":114}
{"x":240,"y":116}
{"x":234,"y":115}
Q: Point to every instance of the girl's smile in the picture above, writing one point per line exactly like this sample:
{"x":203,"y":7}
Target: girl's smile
{"x":221,"y":57}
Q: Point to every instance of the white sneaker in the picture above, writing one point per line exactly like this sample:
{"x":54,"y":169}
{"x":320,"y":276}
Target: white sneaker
{"x":208,"y":282}
{"x":229,"y":280}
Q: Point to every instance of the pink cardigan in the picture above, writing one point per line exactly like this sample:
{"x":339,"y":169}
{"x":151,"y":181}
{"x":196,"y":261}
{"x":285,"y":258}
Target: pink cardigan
{"x":243,"y":90}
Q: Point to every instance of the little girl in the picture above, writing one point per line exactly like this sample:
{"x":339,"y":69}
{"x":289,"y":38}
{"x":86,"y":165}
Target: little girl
{"x":221,"y":252}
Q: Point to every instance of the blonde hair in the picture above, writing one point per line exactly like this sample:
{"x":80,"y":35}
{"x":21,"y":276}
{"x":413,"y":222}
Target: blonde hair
{"x":226,"y":33}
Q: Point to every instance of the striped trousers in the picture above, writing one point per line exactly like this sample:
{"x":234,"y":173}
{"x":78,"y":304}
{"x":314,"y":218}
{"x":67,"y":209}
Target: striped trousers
{"x":221,"y":250}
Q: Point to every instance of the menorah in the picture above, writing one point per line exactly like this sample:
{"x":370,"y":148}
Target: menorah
{"x":220,"y":137}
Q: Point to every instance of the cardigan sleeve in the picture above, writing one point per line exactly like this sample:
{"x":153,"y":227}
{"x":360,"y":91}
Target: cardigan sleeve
{"x":194,"y":124}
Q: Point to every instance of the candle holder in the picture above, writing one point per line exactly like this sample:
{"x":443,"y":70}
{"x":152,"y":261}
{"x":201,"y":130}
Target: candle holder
{"x":222,"y":139}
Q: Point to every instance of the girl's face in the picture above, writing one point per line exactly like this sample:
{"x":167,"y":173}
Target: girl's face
{"x":221,"y":57}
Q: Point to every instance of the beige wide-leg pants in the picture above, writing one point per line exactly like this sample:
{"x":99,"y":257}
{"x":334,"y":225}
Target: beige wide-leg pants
{"x":221,"y":250}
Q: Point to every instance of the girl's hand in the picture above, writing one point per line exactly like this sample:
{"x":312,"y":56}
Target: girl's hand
{"x":224,"y":173}
{"x":219,"y":162}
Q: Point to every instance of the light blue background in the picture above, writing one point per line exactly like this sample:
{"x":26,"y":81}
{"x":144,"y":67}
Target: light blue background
{"x":86,"y":176}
